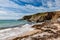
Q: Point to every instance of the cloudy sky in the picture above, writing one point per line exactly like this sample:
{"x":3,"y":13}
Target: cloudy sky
{"x":14,"y":9}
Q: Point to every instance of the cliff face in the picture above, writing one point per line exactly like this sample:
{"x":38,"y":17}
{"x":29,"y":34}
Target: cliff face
{"x":27,"y":17}
{"x":56,"y":16}
{"x":39,"y":17}
{"x":45,"y":31}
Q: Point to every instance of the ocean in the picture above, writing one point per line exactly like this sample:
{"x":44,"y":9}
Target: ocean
{"x":11,"y":23}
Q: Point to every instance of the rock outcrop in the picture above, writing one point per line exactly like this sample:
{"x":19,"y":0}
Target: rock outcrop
{"x":40,"y":17}
{"x":44,"y":31}
{"x":48,"y":30}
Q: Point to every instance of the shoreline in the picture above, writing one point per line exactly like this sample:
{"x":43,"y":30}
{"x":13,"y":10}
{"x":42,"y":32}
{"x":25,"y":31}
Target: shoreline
{"x":20,"y":25}
{"x":9,"y":33}
{"x":12,"y":26}
{"x":29,"y":31}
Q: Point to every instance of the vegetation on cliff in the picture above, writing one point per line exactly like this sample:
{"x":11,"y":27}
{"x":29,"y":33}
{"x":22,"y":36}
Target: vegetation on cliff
{"x":40,"y":17}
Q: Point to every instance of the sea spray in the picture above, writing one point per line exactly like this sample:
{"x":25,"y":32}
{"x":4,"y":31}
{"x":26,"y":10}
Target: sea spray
{"x":6,"y":34}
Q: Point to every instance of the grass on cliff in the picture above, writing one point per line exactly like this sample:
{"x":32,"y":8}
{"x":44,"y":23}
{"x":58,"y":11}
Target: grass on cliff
{"x":40,"y":14}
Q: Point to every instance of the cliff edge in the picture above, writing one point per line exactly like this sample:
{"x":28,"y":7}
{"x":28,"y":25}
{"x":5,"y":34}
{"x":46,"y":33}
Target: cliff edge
{"x":40,"y":17}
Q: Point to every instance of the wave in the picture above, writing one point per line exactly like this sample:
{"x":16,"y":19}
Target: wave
{"x":8,"y":33}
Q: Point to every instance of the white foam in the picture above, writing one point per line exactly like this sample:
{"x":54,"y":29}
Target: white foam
{"x":5,"y":30}
{"x":10,"y":32}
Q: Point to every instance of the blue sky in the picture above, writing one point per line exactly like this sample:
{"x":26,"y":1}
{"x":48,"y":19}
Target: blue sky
{"x":15,"y":9}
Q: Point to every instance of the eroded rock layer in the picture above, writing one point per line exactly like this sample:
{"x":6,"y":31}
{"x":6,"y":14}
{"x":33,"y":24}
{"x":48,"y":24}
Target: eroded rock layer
{"x":40,"y":17}
{"x":44,"y":31}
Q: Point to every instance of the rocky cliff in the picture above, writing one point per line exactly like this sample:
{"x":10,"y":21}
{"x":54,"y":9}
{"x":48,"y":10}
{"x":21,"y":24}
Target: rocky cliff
{"x":45,"y":31}
{"x":39,"y":17}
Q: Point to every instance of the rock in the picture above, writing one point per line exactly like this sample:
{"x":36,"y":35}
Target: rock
{"x":36,"y":17}
{"x":30,"y":33}
{"x":40,"y":17}
{"x":46,"y":31}
{"x":26,"y":18}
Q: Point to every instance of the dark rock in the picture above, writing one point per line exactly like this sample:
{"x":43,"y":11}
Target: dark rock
{"x":40,"y":17}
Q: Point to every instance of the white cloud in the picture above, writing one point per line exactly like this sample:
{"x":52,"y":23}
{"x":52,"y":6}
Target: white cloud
{"x":27,"y":8}
{"x":57,"y":3}
{"x":8,"y":15}
{"x":7,"y":3}
{"x":10,"y":10}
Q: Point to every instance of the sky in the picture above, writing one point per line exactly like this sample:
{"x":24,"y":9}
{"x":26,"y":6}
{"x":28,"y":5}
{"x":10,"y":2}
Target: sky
{"x":15,"y":9}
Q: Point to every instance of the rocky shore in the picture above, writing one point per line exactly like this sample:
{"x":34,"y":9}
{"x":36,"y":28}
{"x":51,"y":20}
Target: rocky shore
{"x":45,"y":30}
{"x":38,"y":31}
{"x":48,"y":30}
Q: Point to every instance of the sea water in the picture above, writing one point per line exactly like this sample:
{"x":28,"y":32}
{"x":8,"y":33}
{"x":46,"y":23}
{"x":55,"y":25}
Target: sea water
{"x":11,"y":23}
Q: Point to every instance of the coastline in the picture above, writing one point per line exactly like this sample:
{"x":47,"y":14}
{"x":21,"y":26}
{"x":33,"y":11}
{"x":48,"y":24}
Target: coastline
{"x":12,"y":26}
{"x":32,"y":31}
{"x":15,"y":31}
{"x":42,"y":29}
